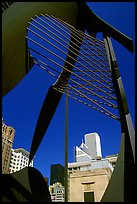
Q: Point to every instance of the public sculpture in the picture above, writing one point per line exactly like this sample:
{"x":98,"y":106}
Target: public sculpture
{"x":75,"y":75}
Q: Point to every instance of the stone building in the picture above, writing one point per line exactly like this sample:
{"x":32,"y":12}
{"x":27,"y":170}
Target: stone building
{"x":87,"y":181}
{"x":8,"y":133}
{"x":57,"y":192}
{"x":89,"y":175}
{"x":112,"y":159}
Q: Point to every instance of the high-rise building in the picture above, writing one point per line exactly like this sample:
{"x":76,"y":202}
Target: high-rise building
{"x":57,"y":192}
{"x":89,"y":175}
{"x":92,"y":141}
{"x":81,"y":155}
{"x":57,"y":174}
{"x":8,"y":133}
{"x":87,"y":181}
{"x":90,"y":149}
{"x":19,"y":159}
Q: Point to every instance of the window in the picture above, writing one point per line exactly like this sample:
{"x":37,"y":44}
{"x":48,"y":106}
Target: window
{"x":74,"y":168}
{"x":88,"y":196}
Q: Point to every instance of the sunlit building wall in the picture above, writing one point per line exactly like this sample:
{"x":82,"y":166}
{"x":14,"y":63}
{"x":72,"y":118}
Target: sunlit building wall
{"x":19,"y":160}
{"x":87,"y":181}
{"x":81,"y":155}
{"x":57,"y":192}
{"x":90,"y":149}
{"x":8,"y":133}
{"x":92,"y":141}
{"x":112,"y":159}
{"x":89,"y":175}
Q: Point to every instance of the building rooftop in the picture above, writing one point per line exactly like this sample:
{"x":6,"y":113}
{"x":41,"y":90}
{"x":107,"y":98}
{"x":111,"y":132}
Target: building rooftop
{"x":18,"y":150}
{"x":90,"y":165}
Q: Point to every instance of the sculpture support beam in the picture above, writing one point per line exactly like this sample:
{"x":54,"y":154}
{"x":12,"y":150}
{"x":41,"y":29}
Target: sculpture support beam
{"x":125,"y":166}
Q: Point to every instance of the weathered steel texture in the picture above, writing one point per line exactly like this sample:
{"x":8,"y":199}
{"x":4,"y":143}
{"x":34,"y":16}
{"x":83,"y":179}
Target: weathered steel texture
{"x":126,"y":122}
{"x":115,"y":189}
{"x":16,"y":18}
{"x":14,"y":25}
{"x":121,"y":185}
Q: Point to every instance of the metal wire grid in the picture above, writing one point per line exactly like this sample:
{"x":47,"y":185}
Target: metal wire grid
{"x":90,"y":80}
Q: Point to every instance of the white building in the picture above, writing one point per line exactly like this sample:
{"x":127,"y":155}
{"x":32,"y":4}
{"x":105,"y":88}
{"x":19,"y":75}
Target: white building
{"x":80,"y":155}
{"x":90,"y":149}
{"x":89,"y":165}
{"x":19,"y":159}
{"x":57,"y":192}
{"x":89,"y":175}
{"x":88,"y":178}
{"x":8,"y":133}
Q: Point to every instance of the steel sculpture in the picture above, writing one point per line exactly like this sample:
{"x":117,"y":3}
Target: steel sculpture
{"x":87,"y":72}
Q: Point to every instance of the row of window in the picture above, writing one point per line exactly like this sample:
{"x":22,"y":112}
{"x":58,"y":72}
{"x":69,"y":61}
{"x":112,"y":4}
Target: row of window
{"x":17,"y":167}
{"x":7,"y":142}
{"x":18,"y":159}
{"x":6,"y":155}
{"x":60,"y":191}
{"x":19,"y":156}
{"x":23,"y":155}
{"x":13,"y":155}
{"x":22,"y":163}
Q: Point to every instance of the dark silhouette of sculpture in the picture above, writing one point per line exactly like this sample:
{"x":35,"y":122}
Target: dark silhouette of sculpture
{"x":26,"y":185}
{"x":78,"y":15}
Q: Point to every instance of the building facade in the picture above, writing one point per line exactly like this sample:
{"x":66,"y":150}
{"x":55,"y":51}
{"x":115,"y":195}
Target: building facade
{"x":87,"y":181}
{"x":8,"y":133}
{"x":112,"y":159}
{"x":80,"y":154}
{"x":57,"y":192}
{"x":89,"y":175}
{"x":19,"y":159}
{"x":57,"y":174}
{"x":90,"y":149}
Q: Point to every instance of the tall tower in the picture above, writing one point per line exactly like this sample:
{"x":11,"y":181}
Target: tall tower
{"x":92,"y":141}
{"x":88,"y":150}
{"x":7,"y":141}
{"x":57,"y":174}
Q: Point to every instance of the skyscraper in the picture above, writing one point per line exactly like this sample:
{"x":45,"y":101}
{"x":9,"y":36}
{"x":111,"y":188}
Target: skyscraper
{"x":92,"y":141}
{"x":89,"y":150}
{"x":19,"y":159}
{"x":8,"y":133}
{"x":90,"y":174}
{"x":57,"y":174}
{"x":57,"y":192}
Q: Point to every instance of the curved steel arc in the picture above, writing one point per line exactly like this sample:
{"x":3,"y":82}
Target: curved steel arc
{"x":120,"y":188}
{"x":53,"y":97}
{"x":14,"y":24}
{"x":95,"y":24}
{"x":69,"y":72}
{"x":77,"y":14}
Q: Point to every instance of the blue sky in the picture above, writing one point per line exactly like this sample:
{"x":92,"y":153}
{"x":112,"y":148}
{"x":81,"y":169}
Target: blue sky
{"x":21,"y":106}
